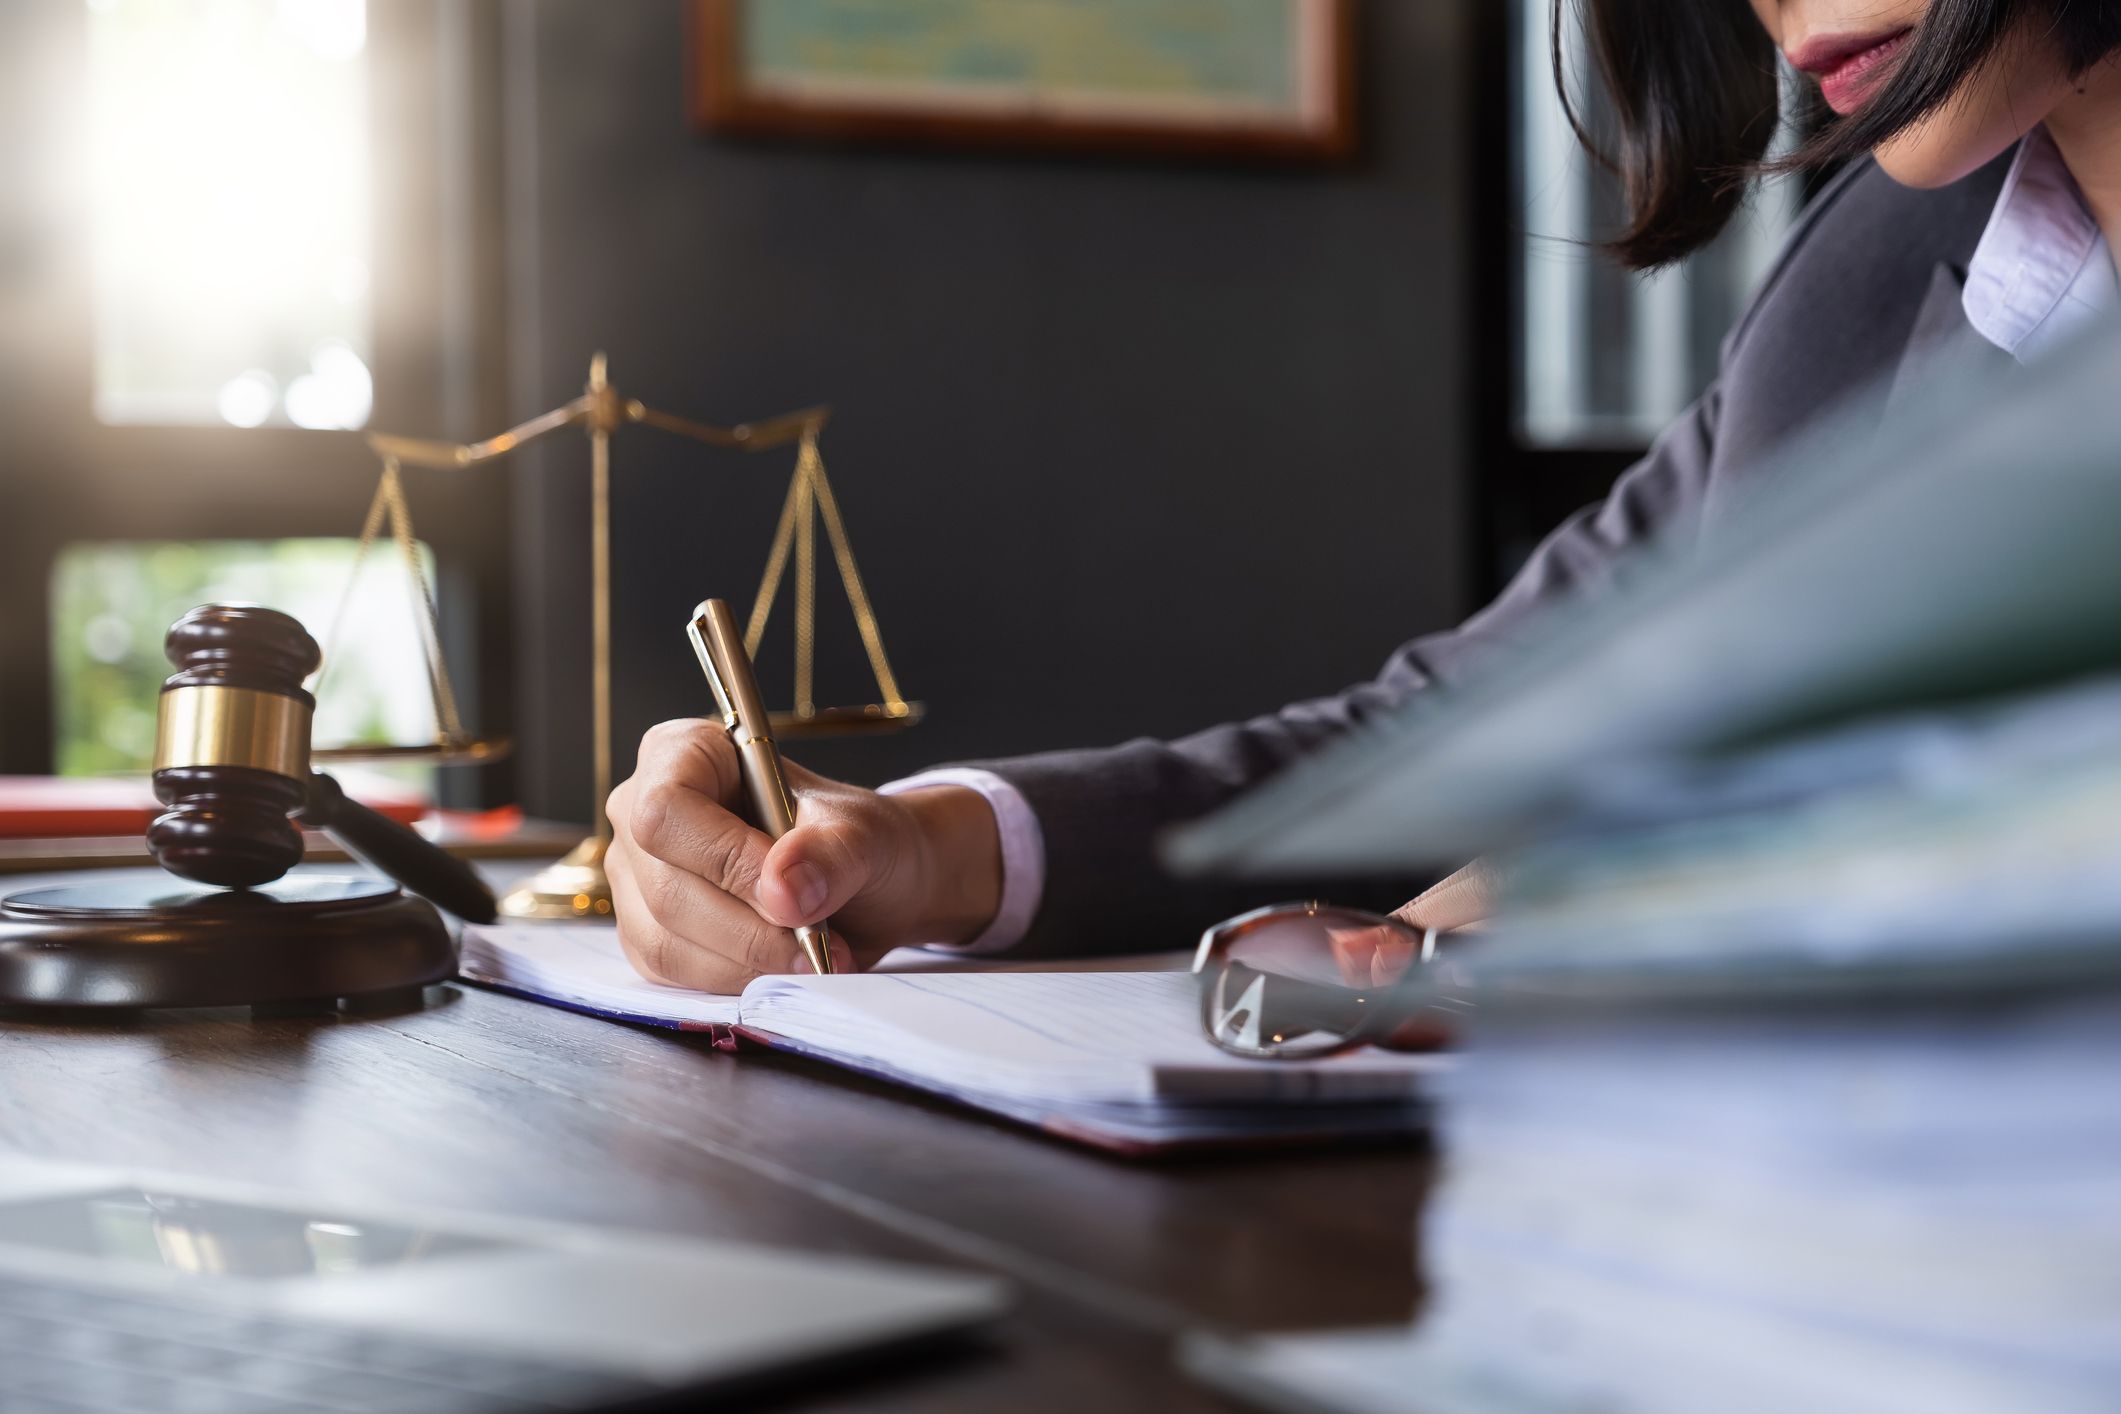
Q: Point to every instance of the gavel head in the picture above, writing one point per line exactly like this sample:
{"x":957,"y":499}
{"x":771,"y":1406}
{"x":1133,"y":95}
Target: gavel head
{"x":232,"y":745}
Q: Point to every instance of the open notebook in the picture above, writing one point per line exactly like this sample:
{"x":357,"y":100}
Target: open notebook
{"x":1114,"y":1059}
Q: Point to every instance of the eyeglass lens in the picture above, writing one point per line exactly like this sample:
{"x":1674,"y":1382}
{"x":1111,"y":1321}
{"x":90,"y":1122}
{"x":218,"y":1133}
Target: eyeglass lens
{"x":1301,"y":982}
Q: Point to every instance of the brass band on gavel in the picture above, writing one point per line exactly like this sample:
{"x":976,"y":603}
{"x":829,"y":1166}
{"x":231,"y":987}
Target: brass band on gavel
{"x":234,"y":726}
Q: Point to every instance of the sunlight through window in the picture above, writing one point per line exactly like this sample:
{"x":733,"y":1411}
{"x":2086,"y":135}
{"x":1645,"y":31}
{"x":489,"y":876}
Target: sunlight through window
{"x":230,"y":189}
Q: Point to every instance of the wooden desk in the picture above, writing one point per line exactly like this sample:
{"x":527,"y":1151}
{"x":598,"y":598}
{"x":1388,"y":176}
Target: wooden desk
{"x":485,"y":1102}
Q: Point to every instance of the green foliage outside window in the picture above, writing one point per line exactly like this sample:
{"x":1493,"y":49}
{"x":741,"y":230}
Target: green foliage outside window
{"x":112,"y":601}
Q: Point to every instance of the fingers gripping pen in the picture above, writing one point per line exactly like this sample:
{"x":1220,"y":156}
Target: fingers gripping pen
{"x":736,"y":691}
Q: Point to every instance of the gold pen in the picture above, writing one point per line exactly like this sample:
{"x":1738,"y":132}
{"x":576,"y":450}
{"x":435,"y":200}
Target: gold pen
{"x":736,"y":689}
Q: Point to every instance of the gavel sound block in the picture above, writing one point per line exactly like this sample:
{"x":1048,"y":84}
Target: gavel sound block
{"x":232,"y":766}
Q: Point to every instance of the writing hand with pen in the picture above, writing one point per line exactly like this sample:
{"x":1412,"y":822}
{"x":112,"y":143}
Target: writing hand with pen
{"x":707,"y":898}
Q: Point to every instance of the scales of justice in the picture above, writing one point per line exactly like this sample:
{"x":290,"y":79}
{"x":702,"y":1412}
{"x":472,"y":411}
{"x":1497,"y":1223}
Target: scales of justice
{"x":575,"y":887}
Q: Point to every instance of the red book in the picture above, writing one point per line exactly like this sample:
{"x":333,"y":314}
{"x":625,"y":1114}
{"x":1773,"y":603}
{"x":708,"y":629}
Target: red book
{"x":55,"y":807}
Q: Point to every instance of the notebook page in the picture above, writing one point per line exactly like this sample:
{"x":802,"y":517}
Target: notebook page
{"x":1082,"y":1036}
{"x":581,"y":965}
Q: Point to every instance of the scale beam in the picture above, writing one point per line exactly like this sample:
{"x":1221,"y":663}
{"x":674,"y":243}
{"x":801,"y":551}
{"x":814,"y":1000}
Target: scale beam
{"x":417,"y":451}
{"x":745,"y":436}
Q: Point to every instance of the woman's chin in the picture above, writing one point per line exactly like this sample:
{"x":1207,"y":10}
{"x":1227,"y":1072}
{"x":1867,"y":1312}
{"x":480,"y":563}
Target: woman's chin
{"x":1996,"y":108}
{"x":1931,"y":154}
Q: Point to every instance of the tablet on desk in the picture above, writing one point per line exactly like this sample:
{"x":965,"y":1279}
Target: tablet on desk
{"x":121,"y":1291}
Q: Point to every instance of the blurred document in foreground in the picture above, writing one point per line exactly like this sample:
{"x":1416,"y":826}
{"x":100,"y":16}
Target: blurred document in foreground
{"x":1790,"y":1082}
{"x":1965,"y":552}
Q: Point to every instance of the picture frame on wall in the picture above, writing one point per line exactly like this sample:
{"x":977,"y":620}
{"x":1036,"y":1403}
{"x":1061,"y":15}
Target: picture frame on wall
{"x":1240,"y":79}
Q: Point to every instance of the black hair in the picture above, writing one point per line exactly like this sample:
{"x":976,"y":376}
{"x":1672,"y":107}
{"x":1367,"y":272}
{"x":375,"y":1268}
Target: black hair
{"x":1694,"y":90}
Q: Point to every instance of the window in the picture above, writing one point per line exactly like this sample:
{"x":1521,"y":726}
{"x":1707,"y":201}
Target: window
{"x":277,"y":198}
{"x":229,"y":182}
{"x":1608,"y":358}
{"x":112,"y":601}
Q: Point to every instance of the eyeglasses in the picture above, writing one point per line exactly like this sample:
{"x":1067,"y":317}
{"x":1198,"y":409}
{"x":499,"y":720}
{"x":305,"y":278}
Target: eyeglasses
{"x":1295,"y":981}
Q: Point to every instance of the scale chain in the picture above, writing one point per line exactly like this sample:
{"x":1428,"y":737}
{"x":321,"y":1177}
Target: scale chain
{"x":776,"y":566}
{"x":851,"y":577}
{"x":390,"y":501}
{"x":438,"y":684}
{"x":810,"y":491}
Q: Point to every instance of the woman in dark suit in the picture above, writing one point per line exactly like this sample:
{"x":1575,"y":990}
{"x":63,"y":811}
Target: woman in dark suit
{"x":1983,"y":143}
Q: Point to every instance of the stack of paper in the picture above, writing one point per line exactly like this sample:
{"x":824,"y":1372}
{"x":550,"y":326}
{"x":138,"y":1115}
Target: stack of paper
{"x":1110,"y":1058}
{"x":1916,"y":849}
{"x":1882,"y":1205}
{"x":1789,"y":1082}
{"x":1789,"y":1087}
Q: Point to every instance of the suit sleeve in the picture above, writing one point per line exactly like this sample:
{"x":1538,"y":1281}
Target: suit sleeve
{"x":1100,"y":811}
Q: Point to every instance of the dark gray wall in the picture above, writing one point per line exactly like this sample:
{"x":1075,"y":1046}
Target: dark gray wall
{"x":1123,"y":447}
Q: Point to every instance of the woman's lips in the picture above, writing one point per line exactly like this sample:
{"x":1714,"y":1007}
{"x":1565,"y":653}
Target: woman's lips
{"x":1848,"y":66}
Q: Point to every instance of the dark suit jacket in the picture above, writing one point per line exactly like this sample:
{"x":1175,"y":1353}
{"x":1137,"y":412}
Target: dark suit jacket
{"x":1865,"y":294}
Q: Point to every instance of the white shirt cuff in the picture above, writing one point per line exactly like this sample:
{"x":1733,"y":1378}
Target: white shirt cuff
{"x":1023,"y":852}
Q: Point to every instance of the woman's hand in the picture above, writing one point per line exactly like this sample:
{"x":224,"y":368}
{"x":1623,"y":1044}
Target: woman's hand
{"x":1379,"y":956}
{"x":707,"y":901}
{"x":1462,"y":900}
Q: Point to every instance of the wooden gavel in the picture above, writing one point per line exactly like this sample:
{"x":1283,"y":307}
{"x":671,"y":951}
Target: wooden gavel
{"x":232,"y":764}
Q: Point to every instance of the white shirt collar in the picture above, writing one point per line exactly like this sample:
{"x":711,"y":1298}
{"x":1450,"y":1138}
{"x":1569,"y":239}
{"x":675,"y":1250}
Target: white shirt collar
{"x":2042,"y":270}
